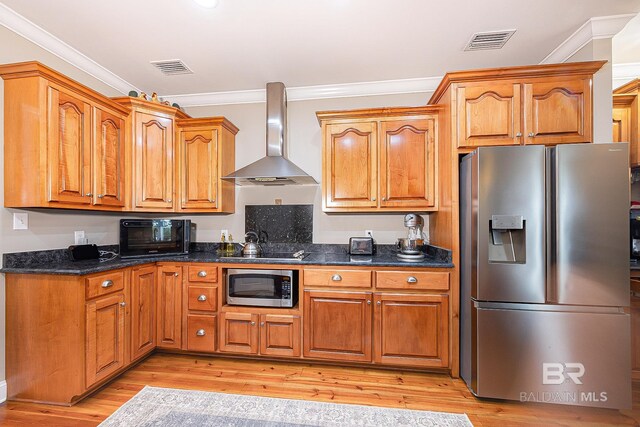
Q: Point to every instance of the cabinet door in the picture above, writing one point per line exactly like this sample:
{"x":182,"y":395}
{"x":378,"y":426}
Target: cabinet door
{"x":105,"y":337}
{"x":69,"y":148}
{"x":411,"y":330}
{"x":169,"y":303}
{"x":239,"y":332}
{"x":143,"y":309}
{"x":153,"y":166}
{"x":108,"y":173}
{"x":621,"y":128}
{"x":488,"y":114}
{"x":198,"y":170}
{"x":407,"y":164}
{"x":337,"y":325}
{"x":557,"y":111}
{"x":350,"y":165}
{"x":280,"y":335}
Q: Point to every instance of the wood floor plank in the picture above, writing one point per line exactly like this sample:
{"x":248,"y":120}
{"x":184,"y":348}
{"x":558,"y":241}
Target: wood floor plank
{"x":351,"y":385}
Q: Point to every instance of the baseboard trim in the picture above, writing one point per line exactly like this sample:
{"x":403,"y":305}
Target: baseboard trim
{"x":3,"y":391}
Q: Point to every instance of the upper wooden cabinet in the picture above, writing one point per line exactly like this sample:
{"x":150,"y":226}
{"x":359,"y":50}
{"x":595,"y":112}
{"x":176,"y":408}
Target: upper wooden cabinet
{"x":151,"y":154}
{"x":543,"y":104}
{"x":626,"y":116}
{"x":379,"y":160}
{"x":205,"y":152}
{"x":64,"y":143}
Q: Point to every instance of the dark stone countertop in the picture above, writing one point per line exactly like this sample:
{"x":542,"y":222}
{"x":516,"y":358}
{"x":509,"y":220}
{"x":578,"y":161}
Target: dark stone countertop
{"x":57,"y":262}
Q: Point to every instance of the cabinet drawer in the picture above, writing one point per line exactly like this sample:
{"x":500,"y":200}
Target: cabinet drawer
{"x":203,"y":273}
{"x":428,"y":280}
{"x":201,"y":333}
{"x":203,"y":298}
{"x":104,"y":284}
{"x":345,"y":278}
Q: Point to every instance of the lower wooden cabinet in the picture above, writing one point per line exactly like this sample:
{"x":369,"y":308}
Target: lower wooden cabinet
{"x":337,"y":325}
{"x":266,"y":334}
{"x":169,"y":307}
{"x":201,"y":333}
{"x":105,"y":337}
{"x":143,"y":310}
{"x":411,"y":330}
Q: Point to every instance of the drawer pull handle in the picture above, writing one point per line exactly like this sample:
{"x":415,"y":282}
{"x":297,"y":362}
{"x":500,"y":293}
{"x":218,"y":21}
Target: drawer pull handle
{"x":200,"y":333}
{"x":107,"y":284}
{"x":412,"y":279}
{"x":202,"y":297}
{"x":202,"y":273}
{"x":336,"y":277}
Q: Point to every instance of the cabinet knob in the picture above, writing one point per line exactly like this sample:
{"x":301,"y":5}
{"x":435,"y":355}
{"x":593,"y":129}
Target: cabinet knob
{"x":518,"y":135}
{"x":373,"y":199}
{"x":89,"y":194}
{"x":202,"y":297}
{"x":202,"y":273}
{"x":175,"y":274}
{"x":368,"y":302}
{"x":100,"y":196}
{"x":378,"y":303}
{"x":336,"y":277}
{"x":169,"y":201}
{"x":261,"y":323}
{"x":412,"y":279}
{"x":122,"y":304}
{"x":384,"y":199}
{"x":213,"y":200}
{"x":107,"y":284}
{"x":253,"y":323}
{"x":200,"y":333}
{"x":531,"y":135}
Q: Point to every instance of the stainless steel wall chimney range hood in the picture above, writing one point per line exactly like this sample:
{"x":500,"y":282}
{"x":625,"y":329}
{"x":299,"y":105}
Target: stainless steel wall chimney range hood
{"x":275,"y":168}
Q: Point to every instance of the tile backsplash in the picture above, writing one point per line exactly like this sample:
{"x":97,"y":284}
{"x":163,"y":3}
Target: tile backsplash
{"x":280,"y":223}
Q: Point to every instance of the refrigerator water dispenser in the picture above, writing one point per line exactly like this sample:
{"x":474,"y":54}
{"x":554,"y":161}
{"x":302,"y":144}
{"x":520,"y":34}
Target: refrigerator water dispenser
{"x":508,"y":239}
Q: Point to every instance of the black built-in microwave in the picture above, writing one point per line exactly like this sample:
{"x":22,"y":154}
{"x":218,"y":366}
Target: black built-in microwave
{"x":154,"y":237}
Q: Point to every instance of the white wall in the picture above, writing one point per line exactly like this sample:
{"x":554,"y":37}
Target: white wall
{"x":602,"y":87}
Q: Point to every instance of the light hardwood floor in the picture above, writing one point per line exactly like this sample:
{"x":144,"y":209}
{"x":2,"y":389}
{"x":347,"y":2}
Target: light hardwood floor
{"x":435,"y":392}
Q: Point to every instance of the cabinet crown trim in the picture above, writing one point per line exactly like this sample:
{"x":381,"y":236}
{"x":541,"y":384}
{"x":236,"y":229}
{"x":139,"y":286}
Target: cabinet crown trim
{"x":628,"y":88}
{"x":504,"y":73}
{"x":377,"y":113}
{"x":36,"y":69}
{"x":208,"y":121}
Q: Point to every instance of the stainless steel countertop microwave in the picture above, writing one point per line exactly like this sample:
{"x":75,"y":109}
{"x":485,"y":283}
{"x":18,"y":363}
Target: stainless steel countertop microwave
{"x":262,"y":288}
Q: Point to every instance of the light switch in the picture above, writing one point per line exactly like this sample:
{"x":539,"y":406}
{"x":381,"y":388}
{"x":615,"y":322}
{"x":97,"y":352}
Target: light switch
{"x":20,"y":221}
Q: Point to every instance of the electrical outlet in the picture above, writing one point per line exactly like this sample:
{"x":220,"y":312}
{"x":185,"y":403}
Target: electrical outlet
{"x":20,"y":221}
{"x":368,"y":233}
{"x":79,"y":237}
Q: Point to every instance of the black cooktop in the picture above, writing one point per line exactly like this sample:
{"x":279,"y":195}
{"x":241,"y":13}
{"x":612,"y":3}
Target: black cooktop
{"x":275,"y":256}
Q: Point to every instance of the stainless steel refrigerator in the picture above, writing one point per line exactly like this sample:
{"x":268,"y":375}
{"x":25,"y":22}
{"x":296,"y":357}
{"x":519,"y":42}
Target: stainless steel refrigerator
{"x":545,"y":274}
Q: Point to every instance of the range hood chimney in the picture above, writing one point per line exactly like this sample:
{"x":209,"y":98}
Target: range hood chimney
{"x":275,"y":168}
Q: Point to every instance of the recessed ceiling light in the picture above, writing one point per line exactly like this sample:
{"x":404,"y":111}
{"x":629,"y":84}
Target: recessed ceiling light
{"x":207,"y":3}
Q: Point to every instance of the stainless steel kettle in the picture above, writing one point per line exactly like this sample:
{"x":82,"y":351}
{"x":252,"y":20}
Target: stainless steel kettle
{"x":251,"y":248}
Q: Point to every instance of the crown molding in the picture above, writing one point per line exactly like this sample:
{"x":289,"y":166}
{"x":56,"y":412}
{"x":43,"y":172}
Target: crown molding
{"x":600,"y":27}
{"x":36,"y":34}
{"x":624,"y":73}
{"x":304,"y":93}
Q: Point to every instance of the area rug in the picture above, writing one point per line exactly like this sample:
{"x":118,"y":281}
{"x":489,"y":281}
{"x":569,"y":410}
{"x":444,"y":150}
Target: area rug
{"x":154,"y":406}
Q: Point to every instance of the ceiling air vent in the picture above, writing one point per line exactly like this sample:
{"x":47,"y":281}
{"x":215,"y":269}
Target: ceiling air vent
{"x":489,"y":40}
{"x":172,"y":67}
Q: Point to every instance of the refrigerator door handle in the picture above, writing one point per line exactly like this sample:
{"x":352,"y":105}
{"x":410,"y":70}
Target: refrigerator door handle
{"x":550,"y":220}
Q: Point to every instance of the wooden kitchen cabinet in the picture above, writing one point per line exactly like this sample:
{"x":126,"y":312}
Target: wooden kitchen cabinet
{"x":337,"y":325}
{"x":169,"y":307}
{"x":379,"y":160}
{"x":206,"y":152}
{"x":626,"y":118}
{"x":239,"y":332}
{"x":105,"y":351}
{"x":143,"y":310}
{"x":280,"y":335}
{"x":411,"y":329}
{"x":64,"y":143}
{"x":546,"y":104}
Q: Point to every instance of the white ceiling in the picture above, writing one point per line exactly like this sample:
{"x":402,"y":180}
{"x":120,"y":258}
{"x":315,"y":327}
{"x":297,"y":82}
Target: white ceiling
{"x":242,"y":44}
